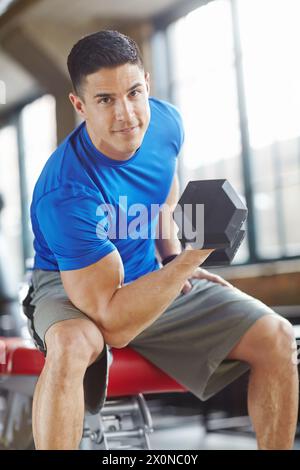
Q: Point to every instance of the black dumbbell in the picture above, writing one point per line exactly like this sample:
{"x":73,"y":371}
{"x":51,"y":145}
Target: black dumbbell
{"x":224,"y":257}
{"x":210,"y":214}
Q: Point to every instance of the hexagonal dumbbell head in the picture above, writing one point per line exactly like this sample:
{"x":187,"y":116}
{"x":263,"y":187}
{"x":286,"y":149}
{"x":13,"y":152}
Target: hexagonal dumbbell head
{"x":224,"y":257}
{"x":209,"y":214}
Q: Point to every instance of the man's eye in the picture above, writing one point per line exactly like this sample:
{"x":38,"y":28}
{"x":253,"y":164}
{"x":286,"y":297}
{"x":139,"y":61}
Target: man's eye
{"x":135,"y":92}
{"x":105,"y":100}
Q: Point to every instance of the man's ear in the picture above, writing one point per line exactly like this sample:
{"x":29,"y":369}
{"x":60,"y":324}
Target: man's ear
{"x":77,"y":104}
{"x":147,"y":80}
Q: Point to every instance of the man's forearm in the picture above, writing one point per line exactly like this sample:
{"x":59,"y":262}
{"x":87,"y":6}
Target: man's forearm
{"x":167,"y":247}
{"x":170,"y":245}
{"x":137,"y":305}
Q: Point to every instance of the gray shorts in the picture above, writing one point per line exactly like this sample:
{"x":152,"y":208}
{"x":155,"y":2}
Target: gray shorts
{"x":189,"y":341}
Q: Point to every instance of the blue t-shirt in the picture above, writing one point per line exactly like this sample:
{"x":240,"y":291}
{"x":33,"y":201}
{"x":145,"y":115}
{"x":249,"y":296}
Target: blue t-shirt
{"x":85,"y":204}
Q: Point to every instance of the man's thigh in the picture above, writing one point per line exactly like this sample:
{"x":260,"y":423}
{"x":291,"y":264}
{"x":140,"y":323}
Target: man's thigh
{"x":47,"y":305}
{"x":193,"y":337}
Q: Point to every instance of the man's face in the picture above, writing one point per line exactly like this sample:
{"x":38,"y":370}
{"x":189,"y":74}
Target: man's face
{"x":115,"y":107}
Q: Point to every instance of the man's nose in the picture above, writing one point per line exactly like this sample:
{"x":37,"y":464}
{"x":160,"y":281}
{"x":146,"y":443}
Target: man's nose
{"x":123,"y":110}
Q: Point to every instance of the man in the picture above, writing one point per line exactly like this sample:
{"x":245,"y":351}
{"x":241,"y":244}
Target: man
{"x":96,"y":284}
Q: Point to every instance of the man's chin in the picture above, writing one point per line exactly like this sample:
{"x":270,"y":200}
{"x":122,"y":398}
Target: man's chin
{"x":133,"y":146}
{"x":130,"y":147}
{"x":131,"y":151}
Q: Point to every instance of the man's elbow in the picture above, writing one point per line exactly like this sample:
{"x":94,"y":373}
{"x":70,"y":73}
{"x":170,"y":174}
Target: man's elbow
{"x":115,"y":340}
{"x":112,"y":335}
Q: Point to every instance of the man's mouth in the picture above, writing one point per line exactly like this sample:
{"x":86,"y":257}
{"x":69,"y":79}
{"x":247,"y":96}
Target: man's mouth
{"x":127,"y":130}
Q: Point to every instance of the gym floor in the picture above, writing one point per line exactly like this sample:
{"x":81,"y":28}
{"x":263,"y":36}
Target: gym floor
{"x":182,"y":422}
{"x":189,"y":434}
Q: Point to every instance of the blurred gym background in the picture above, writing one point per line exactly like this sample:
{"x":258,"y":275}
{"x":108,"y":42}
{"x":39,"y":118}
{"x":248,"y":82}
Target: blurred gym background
{"x":232,"y":68}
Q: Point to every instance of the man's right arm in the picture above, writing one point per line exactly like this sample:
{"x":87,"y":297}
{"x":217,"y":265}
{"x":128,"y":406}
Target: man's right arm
{"x":124,"y":311}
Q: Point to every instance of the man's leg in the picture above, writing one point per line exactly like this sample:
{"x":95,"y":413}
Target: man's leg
{"x":58,"y":406}
{"x":269,"y":346}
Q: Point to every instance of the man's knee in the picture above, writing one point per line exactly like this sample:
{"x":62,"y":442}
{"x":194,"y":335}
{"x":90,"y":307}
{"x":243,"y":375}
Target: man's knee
{"x":279,"y":340}
{"x":270,"y":341}
{"x":76,"y":341}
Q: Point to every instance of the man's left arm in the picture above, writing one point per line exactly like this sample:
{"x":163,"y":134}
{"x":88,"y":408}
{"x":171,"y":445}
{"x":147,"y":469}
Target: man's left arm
{"x":167,"y":242}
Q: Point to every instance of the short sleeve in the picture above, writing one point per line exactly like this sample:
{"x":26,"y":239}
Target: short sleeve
{"x":69,"y":221}
{"x":177,"y":127}
{"x":180,"y":127}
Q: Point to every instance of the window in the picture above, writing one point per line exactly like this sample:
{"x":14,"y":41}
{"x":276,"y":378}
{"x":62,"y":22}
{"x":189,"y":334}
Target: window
{"x":270,"y":38}
{"x":10,"y":216}
{"x":26,"y":143}
{"x":38,"y":125}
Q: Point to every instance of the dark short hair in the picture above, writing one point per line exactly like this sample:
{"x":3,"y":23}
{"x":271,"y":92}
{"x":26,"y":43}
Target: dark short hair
{"x":101,"y":49}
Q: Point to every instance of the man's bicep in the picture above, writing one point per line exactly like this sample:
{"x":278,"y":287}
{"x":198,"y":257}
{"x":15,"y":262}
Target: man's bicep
{"x":91,"y":288}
